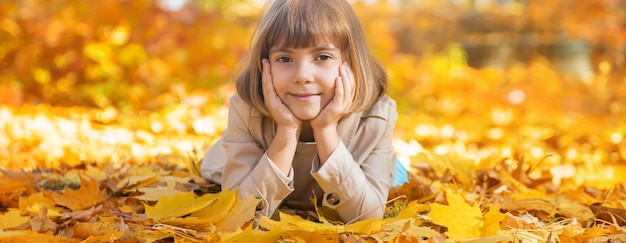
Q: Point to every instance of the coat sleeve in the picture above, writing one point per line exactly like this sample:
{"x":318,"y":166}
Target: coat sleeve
{"x":238,"y":161}
{"x":360,"y":189}
{"x":247,"y":166}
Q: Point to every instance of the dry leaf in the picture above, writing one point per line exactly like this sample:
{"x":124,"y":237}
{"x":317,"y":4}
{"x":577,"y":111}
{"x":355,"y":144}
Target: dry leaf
{"x":88,"y":195}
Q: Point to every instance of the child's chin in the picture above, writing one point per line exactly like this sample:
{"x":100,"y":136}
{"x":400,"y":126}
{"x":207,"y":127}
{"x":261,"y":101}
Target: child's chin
{"x":306,"y":117}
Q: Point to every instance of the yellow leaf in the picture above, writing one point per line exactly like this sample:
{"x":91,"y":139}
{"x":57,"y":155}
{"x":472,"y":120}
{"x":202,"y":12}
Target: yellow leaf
{"x":12,"y":219}
{"x":20,"y":236}
{"x":88,"y":195}
{"x":406,"y":235}
{"x":192,"y":223}
{"x":462,"y":220}
{"x":155,"y":193}
{"x":242,"y":212}
{"x":396,"y":227}
{"x":412,"y":210}
{"x":365,"y":226}
{"x":178,"y":205}
{"x":293,"y":222}
{"x":33,"y":204}
{"x":136,"y":181}
{"x":492,"y":221}
{"x":256,"y":234}
{"x":621,"y":204}
{"x":220,"y":208}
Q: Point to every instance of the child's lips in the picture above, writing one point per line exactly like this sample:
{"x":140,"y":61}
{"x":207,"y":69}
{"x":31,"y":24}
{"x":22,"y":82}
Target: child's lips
{"x":304,"y":96}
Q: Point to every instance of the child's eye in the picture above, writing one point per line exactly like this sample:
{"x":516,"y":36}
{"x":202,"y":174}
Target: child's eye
{"x":283,"y":59}
{"x":323,"y":57}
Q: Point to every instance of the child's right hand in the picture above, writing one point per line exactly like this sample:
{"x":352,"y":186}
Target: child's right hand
{"x":278,"y":110}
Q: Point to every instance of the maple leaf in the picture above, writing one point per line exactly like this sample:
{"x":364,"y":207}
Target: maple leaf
{"x":412,"y":210}
{"x":178,"y":205}
{"x":12,"y":181}
{"x":243,"y":211}
{"x":136,"y":181}
{"x":493,"y":217}
{"x":88,"y":195}
{"x":396,"y":228}
{"x":462,"y":220}
{"x":33,"y":204}
{"x":155,"y":193}
{"x":218,"y":210}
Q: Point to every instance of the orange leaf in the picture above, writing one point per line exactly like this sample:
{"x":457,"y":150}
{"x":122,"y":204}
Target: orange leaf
{"x":88,"y":195}
{"x":12,"y":181}
{"x":33,"y":204}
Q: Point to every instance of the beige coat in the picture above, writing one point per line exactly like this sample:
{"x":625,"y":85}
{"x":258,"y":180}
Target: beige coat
{"x":355,"y":179}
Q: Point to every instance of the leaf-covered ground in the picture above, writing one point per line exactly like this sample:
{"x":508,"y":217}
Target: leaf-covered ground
{"x":130,"y":95}
{"x":521,"y":159}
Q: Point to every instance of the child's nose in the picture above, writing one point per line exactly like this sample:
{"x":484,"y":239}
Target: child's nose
{"x":304,"y":74}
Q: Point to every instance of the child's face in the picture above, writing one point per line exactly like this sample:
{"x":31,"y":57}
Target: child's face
{"x":304,"y":78}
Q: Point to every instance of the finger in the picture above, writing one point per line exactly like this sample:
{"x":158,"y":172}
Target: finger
{"x":348,"y":83}
{"x":348,"y":71}
{"x":266,"y":79}
{"x":339,"y":91}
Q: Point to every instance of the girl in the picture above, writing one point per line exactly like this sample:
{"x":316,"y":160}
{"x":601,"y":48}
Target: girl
{"x":310,"y":116}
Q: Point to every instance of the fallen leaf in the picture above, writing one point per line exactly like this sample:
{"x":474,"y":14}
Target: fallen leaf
{"x":155,"y":193}
{"x":136,"y":181}
{"x":406,"y":235}
{"x":412,"y":210}
{"x":12,"y":219}
{"x":94,"y":230}
{"x":526,"y":221}
{"x":178,"y":205}
{"x":551,"y":206}
{"x":33,"y":204}
{"x":492,"y":219}
{"x":366,"y":226}
{"x":218,"y":209}
{"x":40,"y":223}
{"x":609,"y":214}
{"x":12,"y":181}
{"x":88,"y":195}
{"x":462,"y":220}
{"x":393,"y":228}
{"x":242,"y":212}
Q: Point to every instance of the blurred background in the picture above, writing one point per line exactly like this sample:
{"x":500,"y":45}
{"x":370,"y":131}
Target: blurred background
{"x":473,"y":78}
{"x":125,"y":53}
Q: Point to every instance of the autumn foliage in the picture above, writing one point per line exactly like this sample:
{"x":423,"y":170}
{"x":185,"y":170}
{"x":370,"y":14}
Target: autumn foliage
{"x":512,"y":122}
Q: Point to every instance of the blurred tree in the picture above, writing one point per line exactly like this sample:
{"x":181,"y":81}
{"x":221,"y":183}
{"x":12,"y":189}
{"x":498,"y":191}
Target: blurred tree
{"x":121,"y":53}
{"x":128,"y":53}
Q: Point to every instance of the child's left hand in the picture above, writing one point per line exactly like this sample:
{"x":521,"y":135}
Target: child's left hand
{"x":338,"y":106}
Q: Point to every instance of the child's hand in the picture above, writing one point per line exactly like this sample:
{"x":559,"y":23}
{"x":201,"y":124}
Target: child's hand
{"x":338,"y":106}
{"x":278,"y":110}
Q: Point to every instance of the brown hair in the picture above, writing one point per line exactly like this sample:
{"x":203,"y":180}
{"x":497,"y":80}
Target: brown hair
{"x":305,"y":23}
